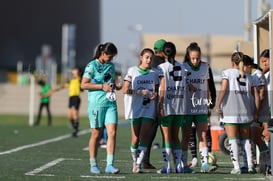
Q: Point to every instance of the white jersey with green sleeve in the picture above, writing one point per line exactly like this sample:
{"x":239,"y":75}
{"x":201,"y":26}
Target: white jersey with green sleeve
{"x":100,"y":74}
{"x":136,"y":105}
{"x":197,"y":101}
{"x":174,"y":95}
{"x":236,"y":105}
{"x":260,"y":80}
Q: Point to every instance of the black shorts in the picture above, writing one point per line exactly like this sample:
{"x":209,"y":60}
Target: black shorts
{"x":74,"y":102}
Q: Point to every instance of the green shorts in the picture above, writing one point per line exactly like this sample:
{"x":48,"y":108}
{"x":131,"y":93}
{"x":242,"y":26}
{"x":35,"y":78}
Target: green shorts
{"x":98,"y":117}
{"x":171,"y":120}
{"x":138,"y":121}
{"x":189,"y":119}
{"x":240,"y":125}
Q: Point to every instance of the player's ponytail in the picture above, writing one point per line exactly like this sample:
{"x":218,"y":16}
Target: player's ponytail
{"x":237,"y":58}
{"x":108,"y":48}
{"x":241,"y":68}
{"x":169,"y":50}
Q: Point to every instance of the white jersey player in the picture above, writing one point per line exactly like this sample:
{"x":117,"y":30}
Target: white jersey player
{"x":235,"y":110}
{"x":141,"y":90}
{"x":197,"y":104}
{"x":171,"y":107}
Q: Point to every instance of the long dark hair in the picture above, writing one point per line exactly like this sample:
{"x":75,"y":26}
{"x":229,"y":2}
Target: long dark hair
{"x":192,"y":47}
{"x":146,"y":50}
{"x":265,"y":53}
{"x":169,"y":50}
{"x":108,"y":48}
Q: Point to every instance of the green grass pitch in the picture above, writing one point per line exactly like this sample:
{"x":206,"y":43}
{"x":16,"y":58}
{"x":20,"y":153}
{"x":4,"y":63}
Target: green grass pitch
{"x":49,"y":153}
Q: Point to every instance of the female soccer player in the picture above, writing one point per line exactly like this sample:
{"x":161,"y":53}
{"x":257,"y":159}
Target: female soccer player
{"x":234,"y":107}
{"x":98,"y":79}
{"x":260,"y":83}
{"x":197,"y":103}
{"x":171,"y":107}
{"x":141,"y":89}
{"x":265,"y":62}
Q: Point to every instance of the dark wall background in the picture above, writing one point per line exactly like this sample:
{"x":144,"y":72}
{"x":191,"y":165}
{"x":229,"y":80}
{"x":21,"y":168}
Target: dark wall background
{"x":27,"y":24}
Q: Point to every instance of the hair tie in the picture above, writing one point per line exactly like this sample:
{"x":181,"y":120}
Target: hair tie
{"x":101,"y":47}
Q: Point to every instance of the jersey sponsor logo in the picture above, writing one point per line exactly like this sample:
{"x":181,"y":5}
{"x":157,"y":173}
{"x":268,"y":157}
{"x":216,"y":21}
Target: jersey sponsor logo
{"x":174,"y":88}
{"x":173,"y":96}
{"x":195,"y":81}
{"x":196,"y":101}
{"x":145,"y":82}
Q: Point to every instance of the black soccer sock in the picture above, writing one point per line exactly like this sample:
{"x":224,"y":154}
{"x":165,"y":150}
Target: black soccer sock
{"x":72,"y":123}
{"x":208,"y":136}
{"x":192,"y":143}
{"x":76,"y":123}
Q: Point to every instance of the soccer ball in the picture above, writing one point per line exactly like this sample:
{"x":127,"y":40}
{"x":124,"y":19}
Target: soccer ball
{"x":212,"y":159}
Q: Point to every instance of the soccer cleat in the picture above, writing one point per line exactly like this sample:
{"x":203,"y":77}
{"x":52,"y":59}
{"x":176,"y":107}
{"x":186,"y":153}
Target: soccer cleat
{"x":268,"y":171}
{"x":111,"y":169}
{"x":103,"y":145}
{"x":164,"y":170}
{"x":194,"y":162}
{"x":95,"y":170}
{"x":148,"y":166}
{"x":187,"y":169}
{"x":244,"y":169}
{"x":178,"y":169}
{"x":206,"y":168}
{"x":251,"y":170}
{"x":74,"y":134}
{"x":235,"y":171}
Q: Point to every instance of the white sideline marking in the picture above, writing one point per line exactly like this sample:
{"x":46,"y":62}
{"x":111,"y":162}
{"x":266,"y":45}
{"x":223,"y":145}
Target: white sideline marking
{"x":176,"y":178}
{"x":86,"y":148}
{"x":244,"y":178}
{"x":59,"y":138}
{"x":110,"y":177}
{"x":48,"y":165}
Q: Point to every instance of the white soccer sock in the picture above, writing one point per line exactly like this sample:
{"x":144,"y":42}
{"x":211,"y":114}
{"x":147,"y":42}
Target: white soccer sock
{"x":134,"y":154}
{"x":166,"y":152}
{"x":245,"y":164}
{"x":234,"y":152}
{"x":247,"y":148}
{"x":204,"y":155}
{"x":142,"y":151}
{"x":184,"y":158}
{"x":177,"y":153}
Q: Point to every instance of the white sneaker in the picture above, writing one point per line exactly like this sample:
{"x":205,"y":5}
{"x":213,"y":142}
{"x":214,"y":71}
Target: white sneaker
{"x":235,"y":171}
{"x":194,"y":162}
